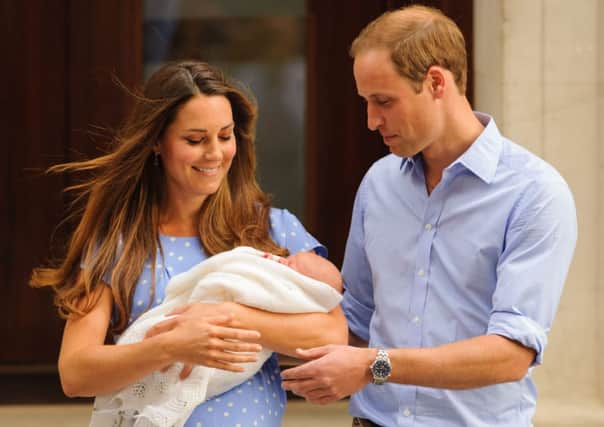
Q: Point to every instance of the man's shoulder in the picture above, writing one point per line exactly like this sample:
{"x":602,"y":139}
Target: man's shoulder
{"x":384,"y":165}
{"x":533,"y":178}
{"x":526,"y":165}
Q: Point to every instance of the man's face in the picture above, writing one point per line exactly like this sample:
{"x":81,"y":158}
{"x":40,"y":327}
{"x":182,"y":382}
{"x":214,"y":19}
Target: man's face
{"x":405,"y":119}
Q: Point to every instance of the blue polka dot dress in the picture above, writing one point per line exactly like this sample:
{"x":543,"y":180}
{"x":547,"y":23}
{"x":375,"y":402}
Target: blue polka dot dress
{"x":260,"y":401}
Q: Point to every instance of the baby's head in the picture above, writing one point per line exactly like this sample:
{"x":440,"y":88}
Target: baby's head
{"x":316,"y":267}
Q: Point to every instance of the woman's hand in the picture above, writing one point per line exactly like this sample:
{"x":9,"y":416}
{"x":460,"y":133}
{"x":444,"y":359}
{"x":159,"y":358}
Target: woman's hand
{"x":203,"y":334}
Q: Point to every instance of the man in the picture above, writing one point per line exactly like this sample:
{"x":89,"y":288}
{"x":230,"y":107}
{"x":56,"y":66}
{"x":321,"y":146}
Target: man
{"x":458,"y":250}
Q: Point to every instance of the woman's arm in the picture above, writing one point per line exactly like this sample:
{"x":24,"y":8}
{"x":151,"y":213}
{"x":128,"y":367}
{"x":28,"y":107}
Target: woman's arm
{"x":283,"y":333}
{"x":88,"y":367}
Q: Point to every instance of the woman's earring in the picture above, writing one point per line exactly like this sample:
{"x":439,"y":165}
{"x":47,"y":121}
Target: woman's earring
{"x":156,"y":159}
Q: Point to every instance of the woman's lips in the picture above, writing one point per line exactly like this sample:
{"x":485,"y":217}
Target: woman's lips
{"x":207,"y":171}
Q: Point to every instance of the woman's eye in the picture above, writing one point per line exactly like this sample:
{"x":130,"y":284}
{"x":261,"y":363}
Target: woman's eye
{"x":225,"y":137}
{"x":194,"y":141}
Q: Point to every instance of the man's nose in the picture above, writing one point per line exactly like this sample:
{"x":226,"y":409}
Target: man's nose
{"x":374,"y":119}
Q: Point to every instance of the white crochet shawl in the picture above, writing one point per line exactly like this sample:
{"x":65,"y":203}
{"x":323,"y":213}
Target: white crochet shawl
{"x":242,"y":275}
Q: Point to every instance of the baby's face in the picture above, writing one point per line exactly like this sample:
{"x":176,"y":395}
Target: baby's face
{"x":303,"y":262}
{"x":285,"y":261}
{"x":312,"y":265}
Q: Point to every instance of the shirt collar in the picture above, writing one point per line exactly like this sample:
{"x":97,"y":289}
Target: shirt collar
{"x":407,"y":163}
{"x":481,"y":158}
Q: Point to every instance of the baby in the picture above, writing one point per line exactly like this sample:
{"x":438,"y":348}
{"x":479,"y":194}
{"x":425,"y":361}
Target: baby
{"x":312,"y":265}
{"x":301,"y":283}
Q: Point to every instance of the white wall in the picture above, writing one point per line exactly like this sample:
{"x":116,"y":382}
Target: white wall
{"x":539,"y":70}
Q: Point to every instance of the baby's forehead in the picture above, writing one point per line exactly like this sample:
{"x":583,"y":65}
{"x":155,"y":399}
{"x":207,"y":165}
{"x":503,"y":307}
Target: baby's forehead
{"x":301,"y":259}
{"x":303,"y":254}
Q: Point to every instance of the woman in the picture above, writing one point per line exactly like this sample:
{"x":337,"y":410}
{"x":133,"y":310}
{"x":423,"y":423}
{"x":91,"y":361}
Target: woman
{"x":178,"y":187}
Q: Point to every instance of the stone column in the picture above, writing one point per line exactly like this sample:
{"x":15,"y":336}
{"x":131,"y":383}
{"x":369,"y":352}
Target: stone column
{"x":539,"y":69}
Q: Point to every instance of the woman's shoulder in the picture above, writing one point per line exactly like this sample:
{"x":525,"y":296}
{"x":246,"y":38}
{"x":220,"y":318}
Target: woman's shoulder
{"x":288,"y":232}
{"x":283,"y":218}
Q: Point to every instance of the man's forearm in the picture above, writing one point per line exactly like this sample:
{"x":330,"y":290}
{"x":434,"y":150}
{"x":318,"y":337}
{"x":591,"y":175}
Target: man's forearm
{"x":476,"y":362}
{"x":334,"y":372}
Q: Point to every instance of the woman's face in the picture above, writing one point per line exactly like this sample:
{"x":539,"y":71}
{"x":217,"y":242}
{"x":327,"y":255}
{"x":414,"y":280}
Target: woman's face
{"x":197,"y":148}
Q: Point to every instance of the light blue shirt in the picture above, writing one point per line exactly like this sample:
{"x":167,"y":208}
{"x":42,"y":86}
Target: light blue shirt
{"x":487,"y":252}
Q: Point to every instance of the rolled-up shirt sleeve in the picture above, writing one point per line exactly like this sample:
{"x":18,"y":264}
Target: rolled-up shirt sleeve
{"x":532,"y":269}
{"x":358,"y":302}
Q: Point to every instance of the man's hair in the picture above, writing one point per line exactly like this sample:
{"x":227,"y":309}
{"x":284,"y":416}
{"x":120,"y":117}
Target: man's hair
{"x":417,"y":38}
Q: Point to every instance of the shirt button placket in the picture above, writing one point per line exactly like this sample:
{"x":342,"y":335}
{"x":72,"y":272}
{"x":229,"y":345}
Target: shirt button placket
{"x":407,"y":399}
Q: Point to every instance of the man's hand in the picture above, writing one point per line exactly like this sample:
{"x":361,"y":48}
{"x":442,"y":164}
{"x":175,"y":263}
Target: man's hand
{"x":332,"y":373}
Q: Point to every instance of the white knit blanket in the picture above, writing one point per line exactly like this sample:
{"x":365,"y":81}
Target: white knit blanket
{"x":242,"y":275}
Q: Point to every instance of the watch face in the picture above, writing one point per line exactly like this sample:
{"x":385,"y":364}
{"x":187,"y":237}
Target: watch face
{"x":381,"y":369}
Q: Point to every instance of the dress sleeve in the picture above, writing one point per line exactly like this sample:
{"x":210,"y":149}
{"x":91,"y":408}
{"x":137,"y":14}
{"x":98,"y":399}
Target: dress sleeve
{"x":358,"y":302}
{"x":532,"y":269}
{"x":288,"y":232}
{"x":107,"y":275}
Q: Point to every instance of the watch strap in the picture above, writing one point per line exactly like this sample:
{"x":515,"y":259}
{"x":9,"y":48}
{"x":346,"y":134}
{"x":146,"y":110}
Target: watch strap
{"x":380,"y":358}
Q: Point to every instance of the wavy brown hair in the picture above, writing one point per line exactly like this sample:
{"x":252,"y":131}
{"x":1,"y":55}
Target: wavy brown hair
{"x":118,"y":227}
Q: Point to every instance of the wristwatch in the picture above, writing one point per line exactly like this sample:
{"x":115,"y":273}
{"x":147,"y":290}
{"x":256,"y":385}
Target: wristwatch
{"x":381,"y":368}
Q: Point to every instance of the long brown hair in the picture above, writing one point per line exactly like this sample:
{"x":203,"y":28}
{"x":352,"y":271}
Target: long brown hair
{"x":118,"y":227}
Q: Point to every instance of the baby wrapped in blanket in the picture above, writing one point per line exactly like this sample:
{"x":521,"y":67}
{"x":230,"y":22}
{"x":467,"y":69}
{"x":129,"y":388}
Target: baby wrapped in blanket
{"x":243,"y":275}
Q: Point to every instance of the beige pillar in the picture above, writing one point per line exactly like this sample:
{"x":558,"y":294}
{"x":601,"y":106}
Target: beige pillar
{"x":539,"y":67}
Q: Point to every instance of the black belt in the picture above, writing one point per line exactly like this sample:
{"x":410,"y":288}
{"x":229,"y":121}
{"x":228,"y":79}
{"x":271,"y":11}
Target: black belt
{"x":363,"y":422}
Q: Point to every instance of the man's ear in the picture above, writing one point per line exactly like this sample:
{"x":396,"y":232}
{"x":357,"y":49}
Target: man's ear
{"x":436,"y":81}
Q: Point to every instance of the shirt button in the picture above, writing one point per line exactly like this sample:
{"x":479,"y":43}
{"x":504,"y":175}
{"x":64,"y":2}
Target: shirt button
{"x":416,"y":319}
{"x":428,"y":227}
{"x":406,"y":412}
{"x":421,"y":273}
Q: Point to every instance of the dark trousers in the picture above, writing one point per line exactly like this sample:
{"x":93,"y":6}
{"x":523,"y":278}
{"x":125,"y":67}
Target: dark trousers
{"x":362,"y":422}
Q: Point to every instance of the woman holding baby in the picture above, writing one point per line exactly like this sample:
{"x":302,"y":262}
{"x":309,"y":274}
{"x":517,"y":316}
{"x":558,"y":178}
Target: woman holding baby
{"x":179,"y":186}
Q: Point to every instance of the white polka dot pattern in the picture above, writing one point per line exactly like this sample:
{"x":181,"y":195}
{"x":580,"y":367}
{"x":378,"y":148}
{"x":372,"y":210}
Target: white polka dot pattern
{"x":261,"y":400}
